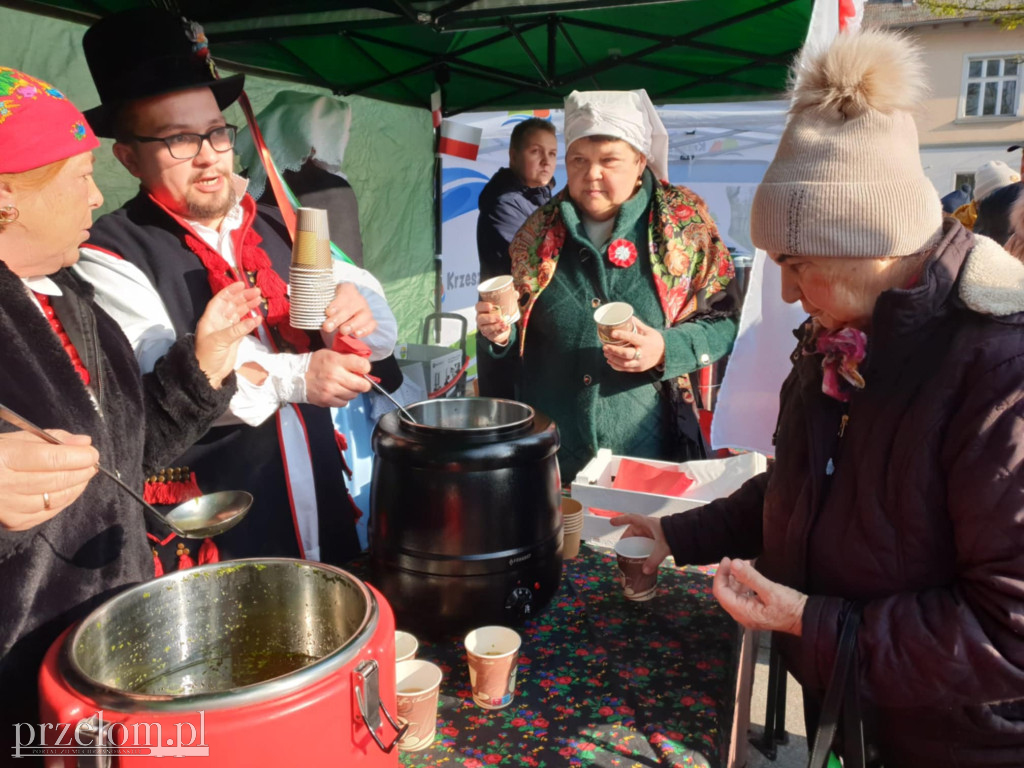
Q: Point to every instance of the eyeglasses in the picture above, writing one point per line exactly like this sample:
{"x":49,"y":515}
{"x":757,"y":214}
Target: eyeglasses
{"x":185,"y":146}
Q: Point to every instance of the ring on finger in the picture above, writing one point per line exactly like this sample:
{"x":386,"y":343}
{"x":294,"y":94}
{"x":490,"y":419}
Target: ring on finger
{"x":46,"y":500}
{"x":636,"y":354}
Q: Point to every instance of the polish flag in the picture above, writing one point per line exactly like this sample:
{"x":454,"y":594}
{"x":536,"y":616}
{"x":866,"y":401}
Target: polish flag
{"x":851,"y":14}
{"x":435,"y":107}
{"x":830,"y":17}
{"x":459,"y":139}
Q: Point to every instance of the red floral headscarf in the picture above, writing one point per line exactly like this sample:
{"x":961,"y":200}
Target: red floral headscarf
{"x":38,"y":125}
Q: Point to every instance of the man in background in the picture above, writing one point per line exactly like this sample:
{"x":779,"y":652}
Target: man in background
{"x":991,"y":180}
{"x":506,"y":202}
{"x":995,"y":200}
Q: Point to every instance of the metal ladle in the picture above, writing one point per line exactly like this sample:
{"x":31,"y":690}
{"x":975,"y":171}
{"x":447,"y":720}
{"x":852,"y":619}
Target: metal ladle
{"x":198,"y":518}
{"x":387,"y":394}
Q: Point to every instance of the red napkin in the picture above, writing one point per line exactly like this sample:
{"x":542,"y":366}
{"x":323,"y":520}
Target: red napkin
{"x":350,"y":345}
{"x":638,"y":476}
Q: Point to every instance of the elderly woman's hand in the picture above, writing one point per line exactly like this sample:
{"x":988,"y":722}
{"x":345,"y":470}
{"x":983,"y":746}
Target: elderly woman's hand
{"x":229,"y":317}
{"x":649,"y":528}
{"x":754,"y":601}
{"x":490,"y":323}
{"x":645,"y":349}
{"x":39,"y":479}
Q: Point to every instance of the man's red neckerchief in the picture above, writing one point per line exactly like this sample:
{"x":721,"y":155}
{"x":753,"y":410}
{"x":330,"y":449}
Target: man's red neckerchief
{"x":258,"y":271}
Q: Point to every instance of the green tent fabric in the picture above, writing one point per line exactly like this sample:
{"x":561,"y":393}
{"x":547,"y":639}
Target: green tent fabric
{"x":494,"y":54}
{"x":389,"y":160}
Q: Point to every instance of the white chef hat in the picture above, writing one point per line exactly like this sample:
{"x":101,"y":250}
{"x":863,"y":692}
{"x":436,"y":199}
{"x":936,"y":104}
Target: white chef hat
{"x":626,"y":115}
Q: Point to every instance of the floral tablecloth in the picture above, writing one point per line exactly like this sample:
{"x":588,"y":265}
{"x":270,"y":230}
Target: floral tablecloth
{"x":602,"y":681}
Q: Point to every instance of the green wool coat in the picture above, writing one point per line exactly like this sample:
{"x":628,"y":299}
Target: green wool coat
{"x":564,"y":373}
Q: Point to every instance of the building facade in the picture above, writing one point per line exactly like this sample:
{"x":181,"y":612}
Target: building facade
{"x":975,"y":110}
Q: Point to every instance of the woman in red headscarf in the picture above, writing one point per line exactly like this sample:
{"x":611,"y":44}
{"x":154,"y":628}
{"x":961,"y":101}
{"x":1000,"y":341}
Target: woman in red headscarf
{"x":69,"y":540}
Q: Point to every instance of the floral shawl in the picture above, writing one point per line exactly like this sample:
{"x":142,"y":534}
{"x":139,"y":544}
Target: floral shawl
{"x":690,"y":262}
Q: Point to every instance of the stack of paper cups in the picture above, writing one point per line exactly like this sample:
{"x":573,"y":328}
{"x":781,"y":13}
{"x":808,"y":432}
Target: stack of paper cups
{"x":311,"y":277}
{"x":572,"y":527}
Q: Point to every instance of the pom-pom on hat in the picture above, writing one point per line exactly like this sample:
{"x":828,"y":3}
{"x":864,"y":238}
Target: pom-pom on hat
{"x":847,"y":177}
{"x":992,"y":176}
{"x":38,"y":125}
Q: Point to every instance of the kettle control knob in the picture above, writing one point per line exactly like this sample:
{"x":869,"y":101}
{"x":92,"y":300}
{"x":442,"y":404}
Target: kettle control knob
{"x":520,"y":601}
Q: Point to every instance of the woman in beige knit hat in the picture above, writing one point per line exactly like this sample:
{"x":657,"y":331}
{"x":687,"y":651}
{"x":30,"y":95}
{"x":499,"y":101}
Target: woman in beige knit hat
{"x":896,"y":499}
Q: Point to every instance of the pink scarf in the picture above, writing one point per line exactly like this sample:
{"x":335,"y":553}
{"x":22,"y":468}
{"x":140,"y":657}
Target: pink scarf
{"x":842,"y":351}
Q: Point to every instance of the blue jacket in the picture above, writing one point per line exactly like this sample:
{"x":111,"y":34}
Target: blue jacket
{"x":505,"y":204}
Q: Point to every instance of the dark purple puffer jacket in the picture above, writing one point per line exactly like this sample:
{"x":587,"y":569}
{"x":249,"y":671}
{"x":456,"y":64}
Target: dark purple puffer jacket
{"x":922,"y":520}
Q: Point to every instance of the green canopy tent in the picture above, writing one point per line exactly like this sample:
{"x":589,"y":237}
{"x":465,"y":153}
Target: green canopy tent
{"x":495,"y":54}
{"x":482,"y":54}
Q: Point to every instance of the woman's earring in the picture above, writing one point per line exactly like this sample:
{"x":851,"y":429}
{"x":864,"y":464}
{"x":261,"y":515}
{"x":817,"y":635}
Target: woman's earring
{"x":8,"y":213}
{"x":639,"y":183}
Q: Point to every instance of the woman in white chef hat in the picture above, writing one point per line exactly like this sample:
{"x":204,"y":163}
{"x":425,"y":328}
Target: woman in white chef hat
{"x":617,"y":233}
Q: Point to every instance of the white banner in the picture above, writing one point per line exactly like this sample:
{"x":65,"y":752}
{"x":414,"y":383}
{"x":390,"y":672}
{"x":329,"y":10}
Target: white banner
{"x":748,"y":404}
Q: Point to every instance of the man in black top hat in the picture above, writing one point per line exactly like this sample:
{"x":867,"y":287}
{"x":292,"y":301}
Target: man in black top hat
{"x":157,"y":260}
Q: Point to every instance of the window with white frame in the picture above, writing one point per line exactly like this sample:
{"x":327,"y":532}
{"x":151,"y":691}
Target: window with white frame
{"x":992,"y":86}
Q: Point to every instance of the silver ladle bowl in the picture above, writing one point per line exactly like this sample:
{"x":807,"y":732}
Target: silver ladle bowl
{"x":198,"y":518}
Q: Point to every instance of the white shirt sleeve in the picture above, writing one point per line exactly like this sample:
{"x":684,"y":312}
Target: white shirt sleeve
{"x":382,"y":341}
{"x":127,"y":295}
{"x":285,"y":383}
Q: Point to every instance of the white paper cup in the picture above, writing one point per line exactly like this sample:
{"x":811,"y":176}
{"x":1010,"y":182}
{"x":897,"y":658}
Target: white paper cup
{"x":418,"y":684}
{"x":406,"y":646}
{"x":632,"y":553}
{"x":501,"y":292}
{"x":493,"y":657}
{"x":310,"y":291}
{"x":614,"y":316}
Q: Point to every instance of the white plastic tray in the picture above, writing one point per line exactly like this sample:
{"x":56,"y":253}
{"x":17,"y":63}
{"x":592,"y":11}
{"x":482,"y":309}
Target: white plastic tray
{"x":713,"y":479}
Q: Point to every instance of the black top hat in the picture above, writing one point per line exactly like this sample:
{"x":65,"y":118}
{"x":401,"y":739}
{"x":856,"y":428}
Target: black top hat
{"x":148,"y":52}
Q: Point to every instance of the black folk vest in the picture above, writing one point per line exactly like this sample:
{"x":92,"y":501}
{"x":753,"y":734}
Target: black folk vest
{"x":236,"y":457}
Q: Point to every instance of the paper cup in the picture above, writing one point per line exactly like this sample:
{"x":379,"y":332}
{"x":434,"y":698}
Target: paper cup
{"x":418,"y":683}
{"x":312,"y":246}
{"x":501,"y":292}
{"x":570,"y":545}
{"x":313,"y":220}
{"x":493,"y":657}
{"x":310,"y":291}
{"x":572,"y":525}
{"x":614,"y":316}
{"x":632,"y":553}
{"x":406,"y":646}
{"x":309,"y":251}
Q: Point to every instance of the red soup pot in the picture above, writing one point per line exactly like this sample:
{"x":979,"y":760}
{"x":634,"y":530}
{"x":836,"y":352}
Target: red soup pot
{"x":270,"y":662}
